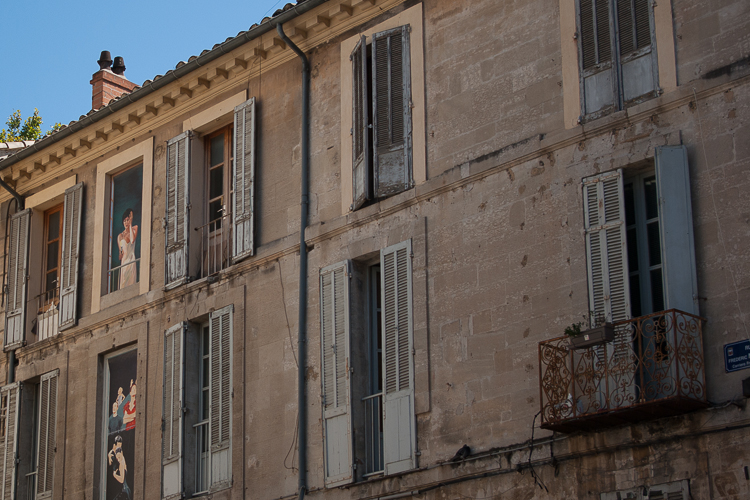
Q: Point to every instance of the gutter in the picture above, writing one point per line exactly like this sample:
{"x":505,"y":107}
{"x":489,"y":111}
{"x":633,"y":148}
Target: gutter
{"x":302,"y":7}
{"x":302,"y":321}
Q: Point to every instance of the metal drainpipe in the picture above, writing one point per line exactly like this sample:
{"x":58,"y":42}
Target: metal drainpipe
{"x":11,"y":367}
{"x":302,"y":321}
{"x":13,"y":193}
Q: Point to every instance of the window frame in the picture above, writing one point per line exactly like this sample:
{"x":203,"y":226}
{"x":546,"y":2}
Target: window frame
{"x":57,"y":209}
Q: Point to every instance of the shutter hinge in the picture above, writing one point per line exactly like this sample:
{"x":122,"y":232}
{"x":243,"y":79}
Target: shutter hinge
{"x":351,"y":369}
{"x":184,"y":410}
{"x":575,"y":36}
{"x":413,"y":352}
{"x":351,"y":131}
{"x":354,"y":466}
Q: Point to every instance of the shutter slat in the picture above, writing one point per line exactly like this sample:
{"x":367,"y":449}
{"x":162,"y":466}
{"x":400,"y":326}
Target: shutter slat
{"x":334,"y":317}
{"x":172,"y":416}
{"x":391,"y":88}
{"x":399,"y":440}
{"x":626,"y":26}
{"x":46,"y":439}
{"x":18,"y":257}
{"x":10,"y":397}
{"x":71,"y":239}
{"x":360,"y":126}
{"x":243,"y":177}
{"x":603,"y":41}
{"x":642,"y":23}
{"x":177,"y":217}
{"x":220,"y":333}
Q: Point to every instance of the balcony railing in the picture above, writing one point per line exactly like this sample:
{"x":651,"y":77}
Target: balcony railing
{"x":373,"y":434}
{"x":216,"y":241}
{"x":653,"y":368}
{"x":47,"y":314}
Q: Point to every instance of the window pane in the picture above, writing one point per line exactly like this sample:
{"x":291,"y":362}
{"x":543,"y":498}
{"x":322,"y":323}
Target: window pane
{"x":214,"y":210}
{"x":205,"y":341}
{"x":217,"y":150}
{"x":50,"y":281}
{"x":629,"y":204}
{"x":53,"y":232}
{"x":52,"y":249}
{"x":216,"y":182}
{"x":657,"y":290}
{"x":654,"y":244}
{"x":205,"y":373}
{"x":635,"y":295}
{"x":652,"y":205}
{"x":632,"y":250}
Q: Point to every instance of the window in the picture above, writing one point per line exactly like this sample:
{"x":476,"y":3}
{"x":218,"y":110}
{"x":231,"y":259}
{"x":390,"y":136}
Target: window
{"x":368,"y":327}
{"x":125,"y":215}
{"x":215,"y":172}
{"x":676,"y":490}
{"x":44,"y":237}
{"x":617,"y":55}
{"x":28,"y":414}
{"x":381,"y":116}
{"x":197,"y":406}
{"x":626,"y":228}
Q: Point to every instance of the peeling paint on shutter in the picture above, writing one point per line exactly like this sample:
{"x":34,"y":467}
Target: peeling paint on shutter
{"x":46,"y":443}
{"x":335,"y":355}
{"x":177,"y":212}
{"x":676,"y":227}
{"x":172,"y":403}
{"x":598,"y":78}
{"x":18,"y":271}
{"x":10,"y":399}
{"x":243,"y":178}
{"x":220,"y":421}
{"x":360,"y":126}
{"x":391,"y":88}
{"x":71,"y":240}
{"x":399,"y":437}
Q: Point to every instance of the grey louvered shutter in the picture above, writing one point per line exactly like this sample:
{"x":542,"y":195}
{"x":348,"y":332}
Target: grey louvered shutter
{"x":599,"y":79}
{"x":399,"y":436}
{"x":220,"y":424}
{"x":10,"y":400}
{"x":46,"y":446}
{"x":361,"y":155}
{"x":71,"y":240}
{"x":676,"y":227}
{"x":243,"y":178}
{"x":334,"y":329}
{"x":391,"y":98}
{"x":637,"y":59}
{"x":172,"y":405}
{"x":18,"y":272}
{"x":178,"y":216}
{"x":606,"y":247}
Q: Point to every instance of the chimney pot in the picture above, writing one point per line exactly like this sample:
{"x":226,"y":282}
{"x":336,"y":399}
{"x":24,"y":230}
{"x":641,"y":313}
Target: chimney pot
{"x":105,"y":60}
{"x":119,"y":66}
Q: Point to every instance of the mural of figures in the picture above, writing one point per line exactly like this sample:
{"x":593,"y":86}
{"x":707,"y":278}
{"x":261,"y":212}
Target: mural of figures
{"x":125,"y":220}
{"x":120,"y":425}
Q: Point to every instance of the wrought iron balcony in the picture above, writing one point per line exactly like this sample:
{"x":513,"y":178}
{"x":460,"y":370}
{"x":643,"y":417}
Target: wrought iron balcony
{"x":653,"y":368}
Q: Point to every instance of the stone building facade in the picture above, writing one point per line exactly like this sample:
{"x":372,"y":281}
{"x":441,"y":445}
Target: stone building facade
{"x":482,"y":175}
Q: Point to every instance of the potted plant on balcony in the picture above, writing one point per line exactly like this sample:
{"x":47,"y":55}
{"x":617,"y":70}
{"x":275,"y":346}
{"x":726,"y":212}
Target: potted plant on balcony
{"x":600,"y":331}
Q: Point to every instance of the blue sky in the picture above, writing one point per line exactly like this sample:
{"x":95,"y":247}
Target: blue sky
{"x":50,"y":48}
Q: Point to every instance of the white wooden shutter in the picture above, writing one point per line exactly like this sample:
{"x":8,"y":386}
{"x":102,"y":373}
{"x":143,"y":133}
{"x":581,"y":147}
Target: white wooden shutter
{"x":676,"y":226}
{"x":10,"y":397}
{"x":637,"y":58}
{"x":243,"y":178}
{"x":334,"y":329}
{"x":606,"y":247}
{"x":178,"y":216}
{"x":220,"y":423}
{"x":172,"y":405}
{"x":361,"y":154}
{"x":71,"y":240}
{"x":18,"y":271}
{"x":391,"y":97}
{"x":46,"y":445}
{"x":598,"y":76}
{"x":399,"y":436}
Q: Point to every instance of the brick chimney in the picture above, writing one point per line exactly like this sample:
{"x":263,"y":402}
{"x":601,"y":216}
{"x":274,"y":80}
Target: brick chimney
{"x":109,"y":83}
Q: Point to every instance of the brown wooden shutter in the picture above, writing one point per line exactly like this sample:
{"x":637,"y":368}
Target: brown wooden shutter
{"x":18,"y":271}
{"x":220,"y":333}
{"x":178,"y":215}
{"x":361,"y":155}
{"x":243,"y":176}
{"x":334,"y":329}
{"x":391,"y":88}
{"x":10,"y":400}
{"x":71,"y":240}
{"x":172,"y":404}
{"x":46,"y":445}
{"x":399,"y":437}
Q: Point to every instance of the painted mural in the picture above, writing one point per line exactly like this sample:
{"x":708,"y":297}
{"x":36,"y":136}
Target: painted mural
{"x":126,"y":207}
{"x":120,"y":425}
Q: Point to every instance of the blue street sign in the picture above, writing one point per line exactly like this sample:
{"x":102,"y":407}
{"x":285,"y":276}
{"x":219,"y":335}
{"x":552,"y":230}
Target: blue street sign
{"x":737,"y":356}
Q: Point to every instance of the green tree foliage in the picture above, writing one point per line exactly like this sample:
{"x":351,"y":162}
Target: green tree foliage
{"x":29,"y":129}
